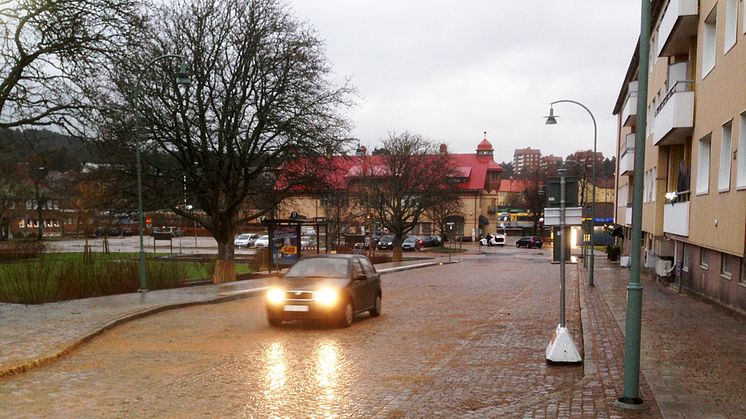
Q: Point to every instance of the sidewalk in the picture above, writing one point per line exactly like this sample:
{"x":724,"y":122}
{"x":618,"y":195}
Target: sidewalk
{"x":33,"y":335}
{"x":692,"y":351}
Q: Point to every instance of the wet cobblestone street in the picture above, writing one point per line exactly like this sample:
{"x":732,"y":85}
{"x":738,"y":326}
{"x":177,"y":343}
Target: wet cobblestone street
{"x":453,"y":340}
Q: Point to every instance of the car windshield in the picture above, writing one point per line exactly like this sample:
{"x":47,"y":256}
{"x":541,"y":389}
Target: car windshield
{"x":410,"y":239}
{"x":244,"y":236}
{"x":325,"y":267}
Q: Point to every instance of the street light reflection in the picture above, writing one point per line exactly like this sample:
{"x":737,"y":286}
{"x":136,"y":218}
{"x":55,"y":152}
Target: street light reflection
{"x":327,"y":355}
{"x":276,"y":368}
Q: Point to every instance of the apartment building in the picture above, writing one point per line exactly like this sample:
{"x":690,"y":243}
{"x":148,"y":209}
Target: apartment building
{"x":526,"y":160}
{"x":694,"y":194}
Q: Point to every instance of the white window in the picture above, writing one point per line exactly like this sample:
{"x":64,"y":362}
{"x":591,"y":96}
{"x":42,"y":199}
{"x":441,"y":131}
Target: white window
{"x":725,"y":267}
{"x":709,"y":39}
{"x":731,"y":24}
{"x":648,"y":190}
{"x":704,"y":258}
{"x":741,"y":153}
{"x":703,"y":165}
{"x":725,"y":158}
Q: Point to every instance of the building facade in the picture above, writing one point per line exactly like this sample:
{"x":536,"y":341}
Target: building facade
{"x":694,"y":193}
{"x":526,"y":160}
{"x":478,"y":184}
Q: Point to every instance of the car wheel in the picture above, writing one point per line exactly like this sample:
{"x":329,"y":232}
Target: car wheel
{"x":348,"y":314}
{"x":274,"y":322}
{"x":376,"y":310}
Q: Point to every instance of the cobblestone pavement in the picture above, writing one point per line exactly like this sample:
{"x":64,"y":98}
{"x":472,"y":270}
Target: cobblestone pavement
{"x":692,"y":351}
{"x":461,"y":340}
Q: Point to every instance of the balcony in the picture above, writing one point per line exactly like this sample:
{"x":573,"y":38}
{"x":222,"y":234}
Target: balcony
{"x":678,"y":25}
{"x":627,"y":159}
{"x":629,"y":111}
{"x":674,"y":117}
{"x":676,"y":218}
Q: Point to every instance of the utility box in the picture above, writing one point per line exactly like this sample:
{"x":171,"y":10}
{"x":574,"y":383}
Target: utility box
{"x":571,"y":191}
{"x":556,"y":250}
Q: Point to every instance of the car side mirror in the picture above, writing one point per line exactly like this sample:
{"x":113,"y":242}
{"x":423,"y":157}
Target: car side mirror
{"x":360,"y":277}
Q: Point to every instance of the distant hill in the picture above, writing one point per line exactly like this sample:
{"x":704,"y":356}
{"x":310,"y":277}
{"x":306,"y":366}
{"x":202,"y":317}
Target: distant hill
{"x":59,"y":151}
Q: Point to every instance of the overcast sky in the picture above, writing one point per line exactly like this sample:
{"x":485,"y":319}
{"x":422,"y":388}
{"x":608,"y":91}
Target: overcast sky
{"x":450,"y":70}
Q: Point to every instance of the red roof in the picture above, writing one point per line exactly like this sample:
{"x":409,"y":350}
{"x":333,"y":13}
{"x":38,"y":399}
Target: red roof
{"x":484,"y":146}
{"x":477,"y":167}
{"x":513,"y":185}
{"x":471,"y":166}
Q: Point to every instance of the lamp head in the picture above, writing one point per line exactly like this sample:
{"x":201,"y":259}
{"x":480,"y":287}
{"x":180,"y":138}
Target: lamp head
{"x":182,"y":76}
{"x":551,"y":119}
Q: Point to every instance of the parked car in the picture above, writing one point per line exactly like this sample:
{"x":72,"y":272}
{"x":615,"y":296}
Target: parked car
{"x":431,"y":241}
{"x":493,"y":240}
{"x":245,"y":240}
{"x":386,"y":242}
{"x":529,"y":242}
{"x":325,"y":287}
{"x":305,"y":241}
{"x":412,"y":243}
{"x":262,"y":241}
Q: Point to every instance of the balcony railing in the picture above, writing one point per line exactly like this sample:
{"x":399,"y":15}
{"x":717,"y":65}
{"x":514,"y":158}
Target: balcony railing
{"x":629,"y":112}
{"x":678,"y":24}
{"x":674,"y":117}
{"x":627,"y":159}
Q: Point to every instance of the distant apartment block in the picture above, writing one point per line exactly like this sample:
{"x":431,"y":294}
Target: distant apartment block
{"x":694,"y":179}
{"x":526,"y":160}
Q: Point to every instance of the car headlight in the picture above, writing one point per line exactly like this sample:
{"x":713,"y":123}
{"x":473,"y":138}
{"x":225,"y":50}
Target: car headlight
{"x":275,"y":296}
{"x":326,"y":296}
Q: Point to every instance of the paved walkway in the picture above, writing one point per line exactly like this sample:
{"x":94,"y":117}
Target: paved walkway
{"x":692,"y":351}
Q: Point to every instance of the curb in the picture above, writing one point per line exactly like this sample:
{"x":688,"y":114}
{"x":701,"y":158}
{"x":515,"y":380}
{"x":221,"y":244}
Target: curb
{"x":6,"y":371}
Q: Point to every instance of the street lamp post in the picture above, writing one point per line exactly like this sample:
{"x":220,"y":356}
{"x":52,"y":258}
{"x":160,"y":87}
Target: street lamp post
{"x":552,"y":120}
{"x":630,"y":399}
{"x":182,"y":79}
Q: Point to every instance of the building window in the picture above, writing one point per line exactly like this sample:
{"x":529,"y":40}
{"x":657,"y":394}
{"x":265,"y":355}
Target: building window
{"x":685,"y":258}
{"x":741,"y":153}
{"x":709,"y":40}
{"x":725,"y":158}
{"x":725,"y":267}
{"x":703,"y":258}
{"x":703,"y":165}
{"x":731,"y":24}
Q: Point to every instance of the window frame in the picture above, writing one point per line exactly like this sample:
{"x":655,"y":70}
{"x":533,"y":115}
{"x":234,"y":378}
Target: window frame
{"x":702,"y":186}
{"x":703,"y":262}
{"x":725,"y":271}
{"x":709,"y":42}
{"x":725,"y":165}
{"x":730,"y":37}
{"x":741,"y":151}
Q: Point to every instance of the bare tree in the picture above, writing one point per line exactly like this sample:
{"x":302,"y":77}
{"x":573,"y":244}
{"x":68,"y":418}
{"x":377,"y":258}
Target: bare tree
{"x":401,"y":184}
{"x":255,"y":123}
{"x":445,"y":205}
{"x":52,"y":52}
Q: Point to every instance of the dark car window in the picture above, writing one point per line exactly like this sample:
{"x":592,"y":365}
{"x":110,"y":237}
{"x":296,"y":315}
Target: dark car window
{"x":356,"y":268}
{"x":367,"y":267}
{"x":329,"y":267}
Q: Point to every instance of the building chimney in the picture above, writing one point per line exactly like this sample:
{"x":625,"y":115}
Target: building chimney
{"x":443,"y":149}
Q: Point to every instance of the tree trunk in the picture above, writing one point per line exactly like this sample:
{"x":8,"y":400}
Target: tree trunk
{"x":225,"y":268}
{"x":397,"y":255}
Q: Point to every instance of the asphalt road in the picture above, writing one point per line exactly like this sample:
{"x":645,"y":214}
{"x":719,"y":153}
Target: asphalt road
{"x":453,"y":340}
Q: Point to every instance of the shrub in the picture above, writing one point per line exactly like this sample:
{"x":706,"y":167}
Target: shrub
{"x":21,"y":249}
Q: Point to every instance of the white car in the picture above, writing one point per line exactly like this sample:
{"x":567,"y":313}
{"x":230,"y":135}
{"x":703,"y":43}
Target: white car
{"x":245,"y":240}
{"x":262,"y":241}
{"x":493,"y":240}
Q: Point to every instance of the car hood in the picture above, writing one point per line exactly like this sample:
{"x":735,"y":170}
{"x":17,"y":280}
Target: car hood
{"x":310,"y":284}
